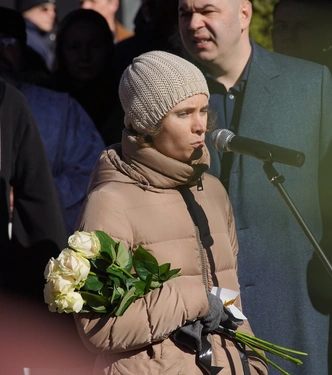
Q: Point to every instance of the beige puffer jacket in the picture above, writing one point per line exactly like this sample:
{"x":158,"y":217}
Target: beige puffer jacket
{"x":154,"y":201}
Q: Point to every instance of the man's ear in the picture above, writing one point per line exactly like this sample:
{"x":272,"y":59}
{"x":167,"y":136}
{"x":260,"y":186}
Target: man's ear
{"x":245,"y":10}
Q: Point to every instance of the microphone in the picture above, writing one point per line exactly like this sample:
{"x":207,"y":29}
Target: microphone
{"x":224,"y":140}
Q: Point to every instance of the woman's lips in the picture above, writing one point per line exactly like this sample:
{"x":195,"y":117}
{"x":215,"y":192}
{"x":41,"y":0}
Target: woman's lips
{"x":198,"y":144}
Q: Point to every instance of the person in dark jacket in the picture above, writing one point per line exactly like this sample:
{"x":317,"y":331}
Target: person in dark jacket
{"x":40,"y":19}
{"x":37,"y":231}
{"x":287,"y":102}
{"x":31,"y":338}
{"x":302,"y":29}
{"x":85,"y":69}
{"x":108,"y":9}
{"x":71,"y":140}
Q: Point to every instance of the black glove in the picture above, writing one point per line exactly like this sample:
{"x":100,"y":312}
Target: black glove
{"x":218,"y":315}
{"x":215,"y":315}
{"x":190,"y":335}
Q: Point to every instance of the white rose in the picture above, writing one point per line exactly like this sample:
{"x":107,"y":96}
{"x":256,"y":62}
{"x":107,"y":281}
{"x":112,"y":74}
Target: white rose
{"x":70,"y":302}
{"x":58,"y":284}
{"x":52,"y":293}
{"x":85,"y":243}
{"x":71,"y":264}
{"x":50,"y":297}
{"x":50,"y":267}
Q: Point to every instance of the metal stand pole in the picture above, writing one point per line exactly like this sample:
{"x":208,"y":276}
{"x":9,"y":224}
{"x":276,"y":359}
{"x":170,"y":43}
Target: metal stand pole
{"x":277,"y":181}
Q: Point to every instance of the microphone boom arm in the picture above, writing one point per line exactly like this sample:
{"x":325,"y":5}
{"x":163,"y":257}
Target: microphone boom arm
{"x":277,"y":181}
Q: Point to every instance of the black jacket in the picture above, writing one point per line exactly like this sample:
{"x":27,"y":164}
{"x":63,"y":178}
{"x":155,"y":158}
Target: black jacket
{"x":37,"y":225}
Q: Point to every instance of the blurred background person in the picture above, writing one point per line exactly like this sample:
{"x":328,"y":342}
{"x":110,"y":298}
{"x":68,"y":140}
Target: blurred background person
{"x":40,"y":19}
{"x":31,"y":337}
{"x":71,"y":140}
{"x":156,"y":28}
{"x":85,"y":61}
{"x":108,"y":9}
{"x":37,"y":231}
{"x":302,"y":28}
{"x":32,"y":68}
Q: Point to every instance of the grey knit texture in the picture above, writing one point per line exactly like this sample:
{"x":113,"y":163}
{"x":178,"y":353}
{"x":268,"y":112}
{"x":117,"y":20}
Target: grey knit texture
{"x":153,"y":84}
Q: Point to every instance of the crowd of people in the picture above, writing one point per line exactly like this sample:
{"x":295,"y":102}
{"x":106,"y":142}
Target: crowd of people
{"x":108,"y":129}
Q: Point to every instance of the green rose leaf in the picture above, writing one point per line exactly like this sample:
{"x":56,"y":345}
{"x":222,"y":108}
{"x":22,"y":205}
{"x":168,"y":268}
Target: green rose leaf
{"x":170,"y":275}
{"x":107,"y":243}
{"x":139,"y":285}
{"x":113,"y":270}
{"x":164,"y":268}
{"x":155,"y":284}
{"x":98,"y":309}
{"x":114,"y":280}
{"x":148,"y":282}
{"x":95,"y":301}
{"x":145,"y":264}
{"x":93,"y":283}
{"x":117,"y":294}
{"x":123,"y":257}
{"x":106,"y":255}
{"x":128,"y":298}
{"x":106,"y":291}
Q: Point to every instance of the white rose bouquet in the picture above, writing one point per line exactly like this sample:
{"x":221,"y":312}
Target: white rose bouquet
{"x":94,"y":274}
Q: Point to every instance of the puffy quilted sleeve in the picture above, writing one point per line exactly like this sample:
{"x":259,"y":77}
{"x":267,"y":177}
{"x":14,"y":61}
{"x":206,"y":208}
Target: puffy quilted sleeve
{"x":146,"y":320}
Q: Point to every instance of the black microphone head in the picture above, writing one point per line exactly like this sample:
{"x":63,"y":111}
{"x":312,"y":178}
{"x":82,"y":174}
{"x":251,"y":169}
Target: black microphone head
{"x":220,"y":139}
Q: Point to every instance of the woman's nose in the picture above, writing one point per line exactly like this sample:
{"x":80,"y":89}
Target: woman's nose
{"x":200,"y":124}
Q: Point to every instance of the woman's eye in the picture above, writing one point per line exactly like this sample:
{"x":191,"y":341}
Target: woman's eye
{"x":182,"y":114}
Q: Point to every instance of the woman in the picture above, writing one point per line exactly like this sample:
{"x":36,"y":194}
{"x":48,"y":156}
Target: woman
{"x":85,"y":69}
{"x":151,"y":190}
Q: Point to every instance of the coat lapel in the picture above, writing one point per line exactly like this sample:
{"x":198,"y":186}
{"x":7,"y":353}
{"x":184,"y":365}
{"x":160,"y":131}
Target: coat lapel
{"x":259,"y":93}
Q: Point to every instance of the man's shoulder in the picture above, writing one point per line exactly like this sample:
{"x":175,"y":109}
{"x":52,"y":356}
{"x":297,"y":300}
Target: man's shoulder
{"x":286,"y":64}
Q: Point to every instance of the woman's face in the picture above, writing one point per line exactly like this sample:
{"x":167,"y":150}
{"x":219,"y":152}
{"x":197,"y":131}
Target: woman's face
{"x":183,"y":130}
{"x":85,"y":51}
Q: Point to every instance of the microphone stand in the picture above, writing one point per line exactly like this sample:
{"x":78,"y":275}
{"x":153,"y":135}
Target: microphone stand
{"x":277,"y":180}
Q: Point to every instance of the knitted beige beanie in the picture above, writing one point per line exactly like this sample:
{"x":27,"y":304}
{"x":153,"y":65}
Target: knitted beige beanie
{"x":153,"y":84}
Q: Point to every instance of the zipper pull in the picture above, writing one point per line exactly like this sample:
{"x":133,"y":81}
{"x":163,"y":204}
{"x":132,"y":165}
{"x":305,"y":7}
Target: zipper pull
{"x":199,"y":183}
